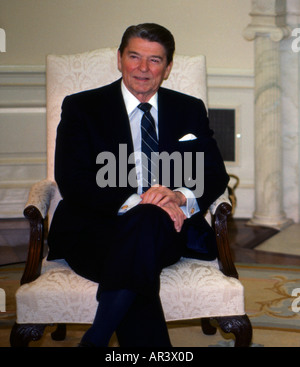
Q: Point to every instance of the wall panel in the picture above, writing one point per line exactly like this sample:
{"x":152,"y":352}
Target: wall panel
{"x":22,"y":135}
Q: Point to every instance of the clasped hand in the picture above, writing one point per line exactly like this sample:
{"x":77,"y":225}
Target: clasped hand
{"x":168,"y":200}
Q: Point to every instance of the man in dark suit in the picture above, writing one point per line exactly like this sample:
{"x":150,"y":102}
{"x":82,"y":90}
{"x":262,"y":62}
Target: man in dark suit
{"x":115,"y":231}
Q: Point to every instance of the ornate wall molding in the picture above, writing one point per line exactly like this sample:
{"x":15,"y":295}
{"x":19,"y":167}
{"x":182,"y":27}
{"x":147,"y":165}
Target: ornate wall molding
{"x":268,"y":19}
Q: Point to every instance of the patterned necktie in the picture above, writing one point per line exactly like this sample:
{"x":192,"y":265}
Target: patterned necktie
{"x":149,"y":145}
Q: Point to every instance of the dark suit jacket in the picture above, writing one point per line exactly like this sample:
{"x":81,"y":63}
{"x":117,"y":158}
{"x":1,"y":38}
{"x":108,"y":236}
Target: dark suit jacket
{"x":96,"y":121}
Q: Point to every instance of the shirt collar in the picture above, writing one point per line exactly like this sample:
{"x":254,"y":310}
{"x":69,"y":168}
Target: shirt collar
{"x":131,"y":102}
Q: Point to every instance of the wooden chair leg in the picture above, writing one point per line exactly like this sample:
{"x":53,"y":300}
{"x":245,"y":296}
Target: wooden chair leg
{"x":22,"y":334}
{"x":207,"y":327}
{"x":239,"y":326}
{"x":60,"y":332}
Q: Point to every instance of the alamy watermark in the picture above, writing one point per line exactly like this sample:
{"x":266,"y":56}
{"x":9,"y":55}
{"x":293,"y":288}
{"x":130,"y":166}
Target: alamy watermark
{"x":182,"y":169}
{"x":296,"y":41}
{"x":2,"y":300}
{"x":2,"y":40}
{"x":296,"y":302}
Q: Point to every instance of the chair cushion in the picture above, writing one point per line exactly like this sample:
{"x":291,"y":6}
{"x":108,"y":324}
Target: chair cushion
{"x":189,"y":289}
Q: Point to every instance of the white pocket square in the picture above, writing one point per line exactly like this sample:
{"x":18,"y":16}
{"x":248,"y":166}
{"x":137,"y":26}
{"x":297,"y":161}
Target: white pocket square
{"x":188,"y":137}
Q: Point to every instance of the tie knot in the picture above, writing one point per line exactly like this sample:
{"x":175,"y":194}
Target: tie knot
{"x":145,"y":107}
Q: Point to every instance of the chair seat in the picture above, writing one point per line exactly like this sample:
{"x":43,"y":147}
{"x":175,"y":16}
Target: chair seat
{"x":189,"y":289}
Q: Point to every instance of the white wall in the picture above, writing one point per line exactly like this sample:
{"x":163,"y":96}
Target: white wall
{"x":35,"y":28}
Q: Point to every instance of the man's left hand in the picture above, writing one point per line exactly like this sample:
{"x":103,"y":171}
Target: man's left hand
{"x":168,"y":200}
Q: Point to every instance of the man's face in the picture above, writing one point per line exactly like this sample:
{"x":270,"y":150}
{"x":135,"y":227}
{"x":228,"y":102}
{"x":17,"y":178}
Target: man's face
{"x":143,"y":65}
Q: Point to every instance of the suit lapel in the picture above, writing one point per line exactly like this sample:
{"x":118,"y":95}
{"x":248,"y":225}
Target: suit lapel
{"x":121,"y":133}
{"x":118,"y":125}
{"x":167,"y":121}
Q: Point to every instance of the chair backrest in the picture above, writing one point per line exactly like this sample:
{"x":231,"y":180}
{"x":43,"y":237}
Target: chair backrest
{"x":68,"y":74}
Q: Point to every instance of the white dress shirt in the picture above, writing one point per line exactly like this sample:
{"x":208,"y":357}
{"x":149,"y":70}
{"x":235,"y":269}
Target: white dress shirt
{"x":135,"y":117}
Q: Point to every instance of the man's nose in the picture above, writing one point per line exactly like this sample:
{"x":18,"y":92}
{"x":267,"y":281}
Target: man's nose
{"x":144,"y":65}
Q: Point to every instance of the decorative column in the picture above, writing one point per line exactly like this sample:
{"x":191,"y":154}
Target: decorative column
{"x":267,"y":29}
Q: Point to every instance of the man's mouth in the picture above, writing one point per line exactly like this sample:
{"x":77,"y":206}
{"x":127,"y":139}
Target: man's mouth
{"x":141,"y":78}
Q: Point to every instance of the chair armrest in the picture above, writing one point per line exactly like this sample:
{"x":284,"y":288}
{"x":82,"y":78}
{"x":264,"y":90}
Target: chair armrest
{"x":40,"y":196}
{"x":220,"y":210}
{"x":224,"y":198}
{"x":35,"y":211}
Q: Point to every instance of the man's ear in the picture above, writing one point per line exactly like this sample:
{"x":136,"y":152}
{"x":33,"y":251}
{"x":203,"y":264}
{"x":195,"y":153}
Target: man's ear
{"x":119,"y":61}
{"x":168,"y":70}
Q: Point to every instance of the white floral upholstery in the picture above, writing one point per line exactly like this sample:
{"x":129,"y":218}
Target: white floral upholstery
{"x":189,"y":289}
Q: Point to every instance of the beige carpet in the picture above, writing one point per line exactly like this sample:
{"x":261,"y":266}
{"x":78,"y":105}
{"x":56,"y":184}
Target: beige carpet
{"x":286,"y":242}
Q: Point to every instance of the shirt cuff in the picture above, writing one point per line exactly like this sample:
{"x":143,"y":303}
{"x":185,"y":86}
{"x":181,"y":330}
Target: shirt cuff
{"x":189,"y":209}
{"x":191,"y":206}
{"x":131,"y":202}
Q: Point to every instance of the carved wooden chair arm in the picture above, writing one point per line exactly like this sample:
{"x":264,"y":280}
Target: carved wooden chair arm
{"x":220,"y":210}
{"x":36,"y":211}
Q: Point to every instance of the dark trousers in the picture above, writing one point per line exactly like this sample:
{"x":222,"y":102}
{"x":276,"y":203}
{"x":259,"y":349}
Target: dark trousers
{"x":143,"y":241}
{"x":144,"y":324}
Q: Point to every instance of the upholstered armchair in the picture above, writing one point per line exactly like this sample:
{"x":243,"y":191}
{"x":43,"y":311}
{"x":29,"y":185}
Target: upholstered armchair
{"x":51,"y":293}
